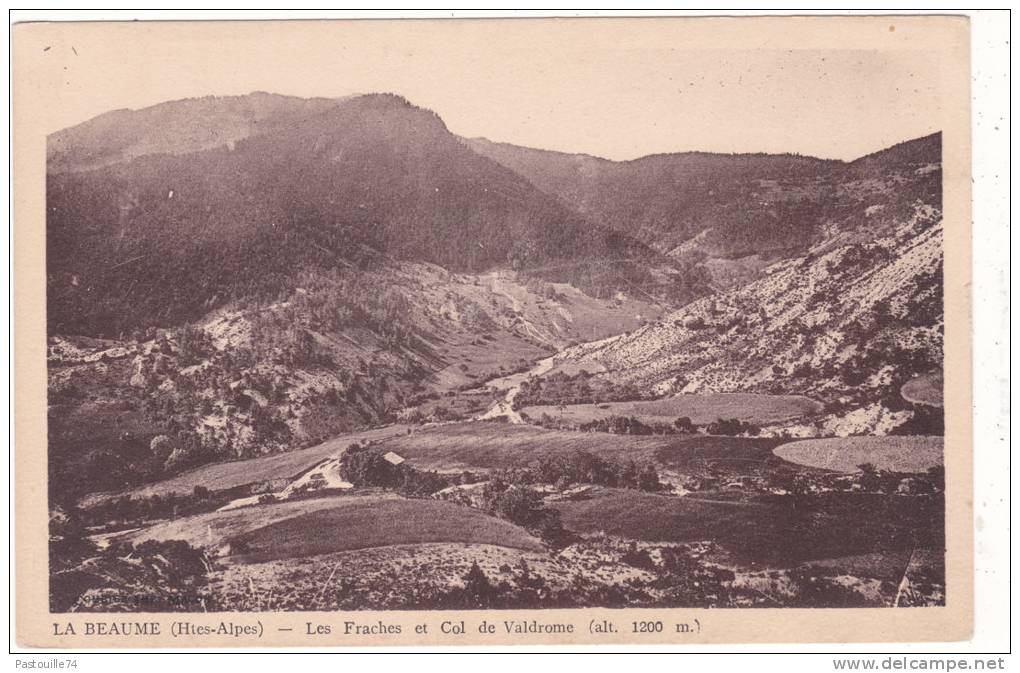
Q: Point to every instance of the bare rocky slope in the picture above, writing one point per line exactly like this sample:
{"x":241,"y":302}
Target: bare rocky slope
{"x":848,"y":323}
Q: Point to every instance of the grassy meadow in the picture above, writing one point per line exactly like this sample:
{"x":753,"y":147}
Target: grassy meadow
{"x":701,"y":409}
{"x":844,"y":454}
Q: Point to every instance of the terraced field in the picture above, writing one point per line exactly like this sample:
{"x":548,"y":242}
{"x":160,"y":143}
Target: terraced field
{"x":482,"y":446}
{"x":844,"y":454}
{"x":824,"y":526}
{"x":325,"y":525}
{"x":925,"y":389}
{"x":701,"y":409}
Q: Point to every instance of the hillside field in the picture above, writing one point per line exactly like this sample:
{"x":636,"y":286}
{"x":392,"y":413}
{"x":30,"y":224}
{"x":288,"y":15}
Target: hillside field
{"x":492,"y":445}
{"x":824,"y":526}
{"x":700,"y":408}
{"x":844,"y":454}
{"x":924,"y":389}
{"x":326,"y":525}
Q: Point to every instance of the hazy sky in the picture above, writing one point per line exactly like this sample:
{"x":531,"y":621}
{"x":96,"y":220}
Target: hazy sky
{"x":585,"y":86}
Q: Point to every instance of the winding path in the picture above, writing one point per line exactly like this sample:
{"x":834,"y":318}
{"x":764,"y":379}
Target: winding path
{"x":512,"y":384}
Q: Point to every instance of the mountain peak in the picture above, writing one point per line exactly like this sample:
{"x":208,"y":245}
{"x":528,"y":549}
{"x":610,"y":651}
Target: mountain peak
{"x":194,"y":124}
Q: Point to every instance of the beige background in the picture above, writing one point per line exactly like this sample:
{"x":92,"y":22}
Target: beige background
{"x":90,"y":68}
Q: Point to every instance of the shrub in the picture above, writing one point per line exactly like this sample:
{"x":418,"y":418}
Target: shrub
{"x":731,"y":427}
{"x":814,"y":590}
{"x":520,"y":505}
{"x":639,"y":558}
{"x":177,"y":460}
{"x":161,"y":447}
{"x":684,"y":425}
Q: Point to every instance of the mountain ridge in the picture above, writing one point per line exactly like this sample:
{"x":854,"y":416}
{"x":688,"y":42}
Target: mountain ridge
{"x":741,"y":203}
{"x":362,"y":179}
{"x":325,"y":102}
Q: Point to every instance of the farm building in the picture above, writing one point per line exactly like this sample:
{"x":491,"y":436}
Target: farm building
{"x":393,"y":458}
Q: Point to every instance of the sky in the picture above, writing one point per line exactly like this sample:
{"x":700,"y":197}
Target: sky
{"x":604,"y":88}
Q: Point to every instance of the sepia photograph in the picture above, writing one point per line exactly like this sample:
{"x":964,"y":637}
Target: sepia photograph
{"x":525,"y":315}
{"x":325,"y":353}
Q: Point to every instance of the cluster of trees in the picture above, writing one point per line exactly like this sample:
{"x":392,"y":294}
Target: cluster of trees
{"x":777,"y":226}
{"x":542,"y":288}
{"x":875,"y":480}
{"x":193,"y":345}
{"x":731,"y":427}
{"x":430,"y":413}
{"x":124,"y":511}
{"x":244,"y":385}
{"x":691,"y":280}
{"x":580,"y":388}
{"x":363,"y":466}
{"x":924,"y":420}
{"x":525,"y":507}
{"x":152,"y":576}
{"x":581,"y":467}
{"x":630,"y":425}
{"x":277,"y":338}
{"x":625,"y":425}
{"x":685,"y":580}
{"x":520,"y":587}
{"x":884,"y":347}
{"x":335,"y":300}
{"x":587,"y":468}
{"x":248,"y":385}
{"x":628,"y":271}
{"x":508,"y":493}
{"x":95,"y":454}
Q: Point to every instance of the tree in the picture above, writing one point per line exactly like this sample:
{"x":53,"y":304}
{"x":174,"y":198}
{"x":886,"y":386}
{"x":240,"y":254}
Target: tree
{"x":177,"y":460}
{"x":684,"y":425}
{"x":367,"y":468}
{"x":639,"y":558}
{"x":870,"y":478}
{"x":728,"y":426}
{"x":477,"y":588}
{"x":551,"y":530}
{"x":161,"y":447}
{"x":937,"y":477}
{"x":648,"y":480}
{"x":688,"y":581}
{"x":520,"y":505}
{"x":193,"y":345}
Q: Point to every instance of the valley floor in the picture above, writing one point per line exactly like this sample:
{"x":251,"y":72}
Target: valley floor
{"x":730,"y":520}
